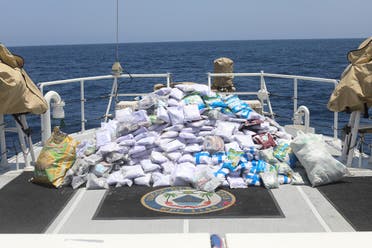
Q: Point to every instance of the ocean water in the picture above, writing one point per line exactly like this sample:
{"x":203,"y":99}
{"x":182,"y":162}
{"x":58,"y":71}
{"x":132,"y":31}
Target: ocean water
{"x":189,"y":61}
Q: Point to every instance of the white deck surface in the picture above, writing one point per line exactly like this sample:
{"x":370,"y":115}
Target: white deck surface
{"x":199,"y":240}
{"x":304,"y":208}
{"x":303,"y":240}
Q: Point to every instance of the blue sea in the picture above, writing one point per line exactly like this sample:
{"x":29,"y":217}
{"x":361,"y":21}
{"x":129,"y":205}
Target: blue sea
{"x":189,"y":61}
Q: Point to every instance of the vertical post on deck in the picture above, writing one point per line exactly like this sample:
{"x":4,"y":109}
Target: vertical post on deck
{"x":4,"y":159}
{"x":295,"y":96}
{"x":82,"y":105}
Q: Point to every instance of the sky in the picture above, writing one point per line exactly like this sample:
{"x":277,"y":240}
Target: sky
{"x":57,"y":22}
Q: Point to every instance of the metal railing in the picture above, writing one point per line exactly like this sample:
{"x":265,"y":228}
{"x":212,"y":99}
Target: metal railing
{"x":113,"y":94}
{"x":263,"y":88}
{"x":167,"y":76}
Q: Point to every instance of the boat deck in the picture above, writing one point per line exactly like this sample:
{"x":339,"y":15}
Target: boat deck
{"x":305,"y":209}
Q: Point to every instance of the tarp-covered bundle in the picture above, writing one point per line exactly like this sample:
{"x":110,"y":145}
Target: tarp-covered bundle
{"x":354,"y":92}
{"x":18,"y":94}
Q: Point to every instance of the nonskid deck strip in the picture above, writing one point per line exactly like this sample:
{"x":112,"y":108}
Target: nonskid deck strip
{"x":313,"y":209}
{"x":70,"y":209}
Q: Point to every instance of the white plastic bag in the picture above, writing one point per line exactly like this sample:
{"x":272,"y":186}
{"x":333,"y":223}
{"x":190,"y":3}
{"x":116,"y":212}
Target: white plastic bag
{"x":193,"y":148}
{"x":131,"y":172}
{"x":124,"y":115}
{"x":191,"y":112}
{"x":225,"y":129}
{"x":184,"y":171}
{"x":174,"y":156}
{"x":160,"y":179}
{"x":167,"y":167}
{"x":162,"y":114}
{"x":144,"y":180}
{"x":158,"y":157}
{"x":149,"y":166}
{"x":236,"y":182}
{"x":169,"y":134}
{"x":94,"y":182}
{"x":176,"y":115}
{"x":186,"y":158}
{"x":186,"y":135}
{"x":205,"y":180}
{"x":103,"y":137}
{"x":176,"y":94}
{"x":173,"y":146}
{"x":244,"y":141}
{"x":320,"y":166}
{"x":270,"y":179}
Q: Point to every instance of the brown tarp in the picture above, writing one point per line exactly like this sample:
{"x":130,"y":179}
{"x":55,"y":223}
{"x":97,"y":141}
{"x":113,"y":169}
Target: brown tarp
{"x":18,"y":94}
{"x":354,"y":91}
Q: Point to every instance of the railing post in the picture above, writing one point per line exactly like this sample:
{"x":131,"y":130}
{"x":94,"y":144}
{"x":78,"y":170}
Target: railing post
{"x":4,"y":159}
{"x":209,"y":81}
{"x":168,"y":79}
{"x":335,"y":119}
{"x":113,"y":90}
{"x":82,"y":105}
{"x":295,"y":96}
{"x":262,"y":80}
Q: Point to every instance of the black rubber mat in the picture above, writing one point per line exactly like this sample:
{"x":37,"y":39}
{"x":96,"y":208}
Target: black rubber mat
{"x":352,"y":197}
{"x":30,"y":208}
{"x":128,"y":203}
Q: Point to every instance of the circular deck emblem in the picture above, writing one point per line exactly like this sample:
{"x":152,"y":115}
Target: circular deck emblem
{"x":186,"y":200}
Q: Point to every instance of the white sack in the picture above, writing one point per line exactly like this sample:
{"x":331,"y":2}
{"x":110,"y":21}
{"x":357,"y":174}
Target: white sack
{"x":176,"y":94}
{"x":185,"y":135}
{"x":176,"y":128}
{"x":186,"y":158}
{"x":169,"y":134}
{"x":167,"y":167}
{"x":173,"y":146}
{"x":124,"y":115}
{"x":149,"y":166}
{"x":320,"y":166}
{"x":160,"y":179}
{"x":131,"y":172}
{"x":103,"y":137}
{"x":193,"y":148}
{"x":236,"y":183}
{"x":176,"y":115}
{"x":162,"y":114}
{"x":191,"y":112}
{"x":144,"y":180}
{"x":174,"y":156}
{"x":158,"y":157}
{"x":184,"y":171}
{"x":94,"y":182}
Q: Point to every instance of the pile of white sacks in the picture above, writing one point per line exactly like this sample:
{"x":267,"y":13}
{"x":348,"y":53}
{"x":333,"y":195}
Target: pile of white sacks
{"x":186,"y":135}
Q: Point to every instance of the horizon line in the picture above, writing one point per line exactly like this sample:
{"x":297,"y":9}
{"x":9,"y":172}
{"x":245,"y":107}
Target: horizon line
{"x":179,"y":41}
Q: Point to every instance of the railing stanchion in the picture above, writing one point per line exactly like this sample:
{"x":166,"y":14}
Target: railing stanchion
{"x":168,"y":79}
{"x":335,"y":119}
{"x":4,"y":161}
{"x":295,"y":96}
{"x":209,"y":81}
{"x":82,"y":105}
{"x":114,"y":88}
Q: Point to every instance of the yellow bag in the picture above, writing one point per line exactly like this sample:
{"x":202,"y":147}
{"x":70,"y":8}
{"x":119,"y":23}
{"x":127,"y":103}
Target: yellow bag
{"x":56,"y":157}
